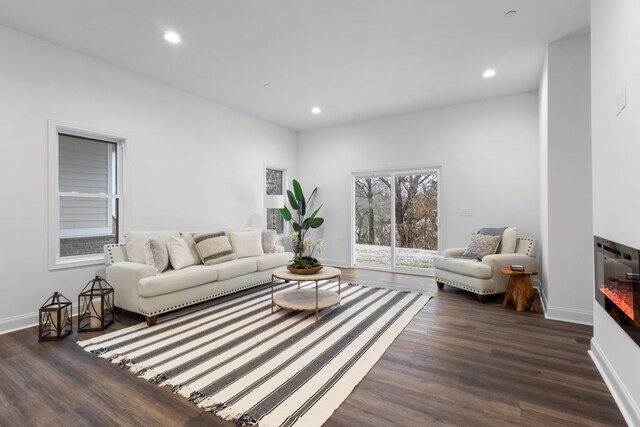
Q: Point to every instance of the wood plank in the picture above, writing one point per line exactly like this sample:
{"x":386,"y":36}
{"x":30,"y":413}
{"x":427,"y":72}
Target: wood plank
{"x":458,"y":362}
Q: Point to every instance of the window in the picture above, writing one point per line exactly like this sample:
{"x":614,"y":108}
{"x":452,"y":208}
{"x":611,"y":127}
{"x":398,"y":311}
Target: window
{"x":274,"y":186}
{"x":395,"y":223}
{"x":86,"y":194}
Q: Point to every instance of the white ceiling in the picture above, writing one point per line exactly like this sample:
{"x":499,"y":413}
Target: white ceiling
{"x":356,"y":59}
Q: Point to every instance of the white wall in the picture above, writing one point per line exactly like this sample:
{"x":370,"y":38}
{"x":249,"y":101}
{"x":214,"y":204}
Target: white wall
{"x":543,"y":112}
{"x":192,"y":164}
{"x":489,"y":153}
{"x":565,"y":148}
{"x":615,"y":62}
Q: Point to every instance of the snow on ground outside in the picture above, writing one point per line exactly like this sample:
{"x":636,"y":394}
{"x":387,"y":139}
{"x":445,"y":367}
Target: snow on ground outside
{"x":381,"y":255}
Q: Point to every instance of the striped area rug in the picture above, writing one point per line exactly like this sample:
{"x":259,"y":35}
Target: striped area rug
{"x":235,"y":358}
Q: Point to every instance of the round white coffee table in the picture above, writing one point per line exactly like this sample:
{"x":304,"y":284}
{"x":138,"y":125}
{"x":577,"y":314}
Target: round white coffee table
{"x":306,"y":299}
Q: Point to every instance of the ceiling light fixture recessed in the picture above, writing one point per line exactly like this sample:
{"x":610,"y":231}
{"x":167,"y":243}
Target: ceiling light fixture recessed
{"x":172,"y":37}
{"x":316,"y":110}
{"x":511,"y":14}
{"x":489,"y":73}
{"x":267,"y":85}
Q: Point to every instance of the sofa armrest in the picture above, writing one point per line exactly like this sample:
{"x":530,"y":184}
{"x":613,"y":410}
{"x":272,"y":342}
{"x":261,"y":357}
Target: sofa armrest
{"x":453,"y":252}
{"x":498,"y":261}
{"x":279,"y":249}
{"x":124,"y":277}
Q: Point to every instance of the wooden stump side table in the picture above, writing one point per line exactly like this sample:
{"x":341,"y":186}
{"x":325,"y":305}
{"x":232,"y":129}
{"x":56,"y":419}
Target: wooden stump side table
{"x":520,"y":290}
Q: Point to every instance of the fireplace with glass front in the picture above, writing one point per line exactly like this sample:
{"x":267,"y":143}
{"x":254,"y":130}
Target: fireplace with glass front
{"x":617,"y":280}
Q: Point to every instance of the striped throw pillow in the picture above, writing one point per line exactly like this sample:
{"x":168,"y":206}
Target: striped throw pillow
{"x":213,"y":247}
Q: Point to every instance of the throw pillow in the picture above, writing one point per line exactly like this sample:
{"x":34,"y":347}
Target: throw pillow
{"x":213,"y":247}
{"x":247,"y":243}
{"x":155,"y":253}
{"x":179,"y":253}
{"x":269,"y":241}
{"x":192,"y":247}
{"x":494,"y":232}
{"x":480,"y":245}
{"x":135,"y":240}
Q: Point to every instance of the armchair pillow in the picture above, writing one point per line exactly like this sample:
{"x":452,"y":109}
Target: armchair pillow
{"x":213,"y":247}
{"x":481,"y":245}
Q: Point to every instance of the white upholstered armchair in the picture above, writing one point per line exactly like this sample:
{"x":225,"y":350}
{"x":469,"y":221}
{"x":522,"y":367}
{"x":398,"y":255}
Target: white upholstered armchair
{"x":483,"y":277}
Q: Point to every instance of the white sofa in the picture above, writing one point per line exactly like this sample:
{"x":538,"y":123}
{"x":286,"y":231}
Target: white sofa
{"x":483,"y":277}
{"x":140,"y":289}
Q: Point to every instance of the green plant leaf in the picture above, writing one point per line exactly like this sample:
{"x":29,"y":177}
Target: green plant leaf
{"x":313,"y":194}
{"x":297,"y":189}
{"x":315,"y":222}
{"x":286,"y":215}
{"x":302,"y":207}
{"x":313,"y":215}
{"x":292,"y":200}
{"x":296,"y":226}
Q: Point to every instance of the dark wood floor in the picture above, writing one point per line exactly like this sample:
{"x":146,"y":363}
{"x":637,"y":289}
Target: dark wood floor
{"x":458,"y":362}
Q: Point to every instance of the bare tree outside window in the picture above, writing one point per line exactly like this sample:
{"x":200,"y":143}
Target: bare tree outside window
{"x":416,"y":216}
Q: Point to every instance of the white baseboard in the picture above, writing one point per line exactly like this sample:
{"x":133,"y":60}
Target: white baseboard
{"x":571,"y":315}
{"x":334,"y":262}
{"x":563,"y":314}
{"x":543,"y":298}
{"x":621,"y":395}
{"x":23,"y":321}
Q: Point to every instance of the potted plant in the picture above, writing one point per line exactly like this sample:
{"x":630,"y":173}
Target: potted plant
{"x":301,"y":263}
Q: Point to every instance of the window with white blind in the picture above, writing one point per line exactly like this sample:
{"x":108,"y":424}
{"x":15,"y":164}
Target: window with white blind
{"x":86,"y":202}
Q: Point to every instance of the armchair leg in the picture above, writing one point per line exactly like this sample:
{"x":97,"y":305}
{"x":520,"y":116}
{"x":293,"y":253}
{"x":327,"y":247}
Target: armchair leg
{"x":440,"y":285}
{"x":151,"y":320}
{"x":481,"y":298}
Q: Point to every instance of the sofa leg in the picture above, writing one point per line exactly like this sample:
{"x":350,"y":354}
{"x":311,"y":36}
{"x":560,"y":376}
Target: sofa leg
{"x":117,"y":310}
{"x":481,"y":298}
{"x":151,"y":320}
{"x":440,"y":285}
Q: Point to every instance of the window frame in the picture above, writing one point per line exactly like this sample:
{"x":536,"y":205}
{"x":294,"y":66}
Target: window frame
{"x":55,"y":129}
{"x":285,"y":227}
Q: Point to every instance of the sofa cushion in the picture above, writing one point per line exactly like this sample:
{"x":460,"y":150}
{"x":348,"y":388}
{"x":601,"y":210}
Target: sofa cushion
{"x":156,"y":253}
{"x":270,"y":261}
{"x":235,"y":268}
{"x":509,"y":241}
{"x":480,"y":246}
{"x":135,"y":242}
{"x":176,"y":280}
{"x":213,"y":247}
{"x":247,"y":243}
{"x":466,"y":267}
{"x":179,"y":253}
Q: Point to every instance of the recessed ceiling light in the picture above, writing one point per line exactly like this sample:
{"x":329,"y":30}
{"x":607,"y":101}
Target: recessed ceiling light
{"x":489,"y":73}
{"x":511,"y":13}
{"x":267,"y":85}
{"x":172,"y":37}
{"x":316,"y":110}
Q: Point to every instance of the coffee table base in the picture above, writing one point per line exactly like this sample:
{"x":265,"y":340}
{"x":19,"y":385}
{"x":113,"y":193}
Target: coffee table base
{"x":306,"y":299}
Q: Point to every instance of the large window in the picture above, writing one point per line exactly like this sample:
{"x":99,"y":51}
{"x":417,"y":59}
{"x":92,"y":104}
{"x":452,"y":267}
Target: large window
{"x":86,"y":202}
{"x":395,"y":220}
{"x":274,"y":190}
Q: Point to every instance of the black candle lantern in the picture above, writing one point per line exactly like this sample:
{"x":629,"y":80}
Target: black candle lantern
{"x":95,"y":306}
{"x":55,"y":318}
